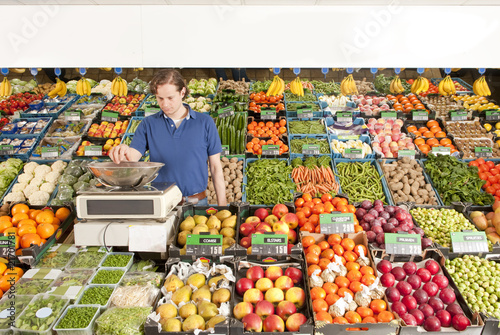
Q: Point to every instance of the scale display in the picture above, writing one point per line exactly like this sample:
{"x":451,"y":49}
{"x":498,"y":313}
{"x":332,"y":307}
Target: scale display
{"x":115,"y":207}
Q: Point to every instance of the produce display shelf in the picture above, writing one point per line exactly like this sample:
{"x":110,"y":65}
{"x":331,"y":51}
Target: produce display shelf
{"x":294,"y":119}
{"x":363,"y":138}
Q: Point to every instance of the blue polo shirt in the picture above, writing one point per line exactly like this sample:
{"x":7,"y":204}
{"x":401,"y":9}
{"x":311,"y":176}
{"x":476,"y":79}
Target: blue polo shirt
{"x":184,"y":150}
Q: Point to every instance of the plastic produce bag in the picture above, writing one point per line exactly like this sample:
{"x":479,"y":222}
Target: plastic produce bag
{"x":122,"y":321}
{"x":134,"y":296}
{"x":75,"y":171}
{"x":68,"y":179}
{"x":80,"y":186}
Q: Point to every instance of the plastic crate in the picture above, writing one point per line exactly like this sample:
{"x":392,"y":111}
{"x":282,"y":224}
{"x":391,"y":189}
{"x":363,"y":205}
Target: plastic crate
{"x":70,"y":143}
{"x":21,"y":152}
{"x":311,"y":136}
{"x":315,"y":119}
{"x":77,"y":331}
{"x":91,"y":286}
{"x":135,"y":118}
{"x":241,"y":158}
{"x":15,"y":304}
{"x":283,"y":137}
{"x":331,"y":166}
{"x":62,"y":123}
{"x":436,"y":82}
{"x":71,"y":283}
{"x":329,"y":121}
{"x":65,"y":100}
{"x":101,"y":251}
{"x":126,"y":267}
{"x":52,"y":110}
{"x":39,"y":132}
{"x":362,"y":138}
{"x":290,"y":113}
{"x":107,"y":269}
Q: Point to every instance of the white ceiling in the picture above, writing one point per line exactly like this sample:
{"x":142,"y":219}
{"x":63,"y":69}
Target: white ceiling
{"x":258,"y":2}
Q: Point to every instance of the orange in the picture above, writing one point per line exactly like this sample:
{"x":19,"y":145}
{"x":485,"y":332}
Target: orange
{"x":44,"y":217}
{"x":5,"y":225}
{"x":26,"y":222}
{"x":356,"y":286}
{"x":16,"y":271}
{"x":323,"y":263}
{"x":424,"y":148}
{"x":334,"y":239}
{"x":320,"y":305}
{"x":311,"y":268}
{"x":352,"y":266}
{"x":417,"y":134}
{"x":56,"y":221}
{"x":16,"y":218}
{"x":3,"y":267}
{"x":317,"y":293}
{"x":440,"y":134}
{"x":342,"y":282}
{"x":45,"y":230}
{"x":19,"y":208}
{"x":332,"y":298}
{"x":360,"y":249}
{"x":312,"y":258}
{"x":314,"y":249}
{"x":10,"y":231}
{"x":323,"y":316}
{"x":350,"y":256}
{"x":357,"y":228}
{"x":445,"y":141}
{"x":364,"y":312}
{"x":419,"y":141}
{"x":307,"y":241}
{"x":343,"y":291}
{"x":385,"y":317}
{"x":428,"y":134}
{"x":328,"y":254}
{"x":435,"y":129}
{"x":337,"y":248}
{"x":378,"y":305}
{"x":365,"y":270}
{"x":411,"y":129}
{"x":340,"y":320}
{"x":368,"y":279}
{"x":369,"y":319}
{"x":354,"y":275}
{"x":330,"y":288}
{"x":33,"y":213}
{"x":422,"y":129}
{"x":7,"y":281}
{"x":323,"y":245}
{"x":26,"y":229}
{"x":432,"y":123}
{"x":431,"y":142}
{"x":29,"y":239}
{"x":56,"y":227}
{"x":347,"y":244}
{"x":353,"y":317}
{"x":5,"y":218}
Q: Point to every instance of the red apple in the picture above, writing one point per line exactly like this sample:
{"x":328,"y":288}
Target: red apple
{"x":292,"y":236}
{"x":279,"y":227}
{"x":295,"y":274}
{"x":297,"y":296}
{"x":255,"y":273}
{"x":280,"y":210}
{"x":246,"y":242}
{"x":252,"y":323}
{"x":262,"y":213}
{"x":253,"y":296}
{"x":242,"y":285}
{"x":291,"y":220}
{"x":264,"y":284}
{"x":285,"y":309}
{"x":274,"y":323}
{"x":246,"y":229}
{"x":264,"y":309}
{"x":271,"y":219}
{"x":264,"y":226}
{"x":284,"y":283}
{"x":295,"y":321}
{"x":242,"y":309}
{"x":273,"y":272}
{"x":252,"y":219}
{"x":275,"y":296}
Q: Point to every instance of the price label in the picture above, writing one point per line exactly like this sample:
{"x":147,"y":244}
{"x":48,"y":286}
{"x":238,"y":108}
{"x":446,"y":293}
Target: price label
{"x":493,"y":115}
{"x":441,"y":150}
{"x":268,"y":114}
{"x":72,"y":116}
{"x":50,"y":152}
{"x":6,"y":150}
{"x":458,"y":115}
{"x":109,"y":116}
{"x":310,"y":149}
{"x":204,"y":245}
{"x":269,"y":244}
{"x":403,"y":244}
{"x":344,"y":116}
{"x":348,"y":137}
{"x":270,"y":150}
{"x":225,"y":111}
{"x":225,"y":150}
{"x":336,"y":223}
{"x":92,"y":150}
{"x":483,"y":151}
{"x":304,"y":113}
{"x":353,"y":153}
{"x":467,"y":242}
{"x":7,"y":246}
{"x":389,"y":115}
{"x":151,"y":111}
{"x":420,"y":116}
{"x":406,"y":153}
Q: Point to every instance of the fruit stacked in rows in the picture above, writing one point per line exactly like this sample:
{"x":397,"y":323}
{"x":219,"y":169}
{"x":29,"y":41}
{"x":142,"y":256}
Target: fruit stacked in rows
{"x":108,"y":129}
{"x":388,"y":138}
{"x":490,"y":173}
{"x":342,"y":282}
{"x":267,"y":129}
{"x":371,"y":105}
{"x":406,"y":104}
{"x":308,"y":210}
{"x":421,"y":296}
{"x":272,"y":299}
{"x":476,"y":103}
{"x":124,"y":105}
{"x":110,"y":143}
{"x":430,"y":136}
{"x":254,"y":146}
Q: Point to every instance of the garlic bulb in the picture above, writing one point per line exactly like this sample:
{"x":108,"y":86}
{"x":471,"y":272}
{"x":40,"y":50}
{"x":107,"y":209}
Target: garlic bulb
{"x":362,"y":259}
{"x":338,"y":308}
{"x":351,"y":304}
{"x":362,"y":297}
{"x":315,"y":280}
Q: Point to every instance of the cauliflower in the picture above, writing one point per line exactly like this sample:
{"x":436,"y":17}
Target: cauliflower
{"x":190,"y":100}
{"x":199,"y":105}
{"x":52,"y":177}
{"x":192,"y":105}
{"x":37,"y":181}
{"x":14,"y":197}
{"x":58,"y":166}
{"x":30,"y":167}
{"x":206,"y":108}
{"x":38,"y":198}
{"x":42,"y":170}
{"x":47,"y":187}
{"x":29,"y":190}
{"x":25,"y":177}
{"x":19,"y":187}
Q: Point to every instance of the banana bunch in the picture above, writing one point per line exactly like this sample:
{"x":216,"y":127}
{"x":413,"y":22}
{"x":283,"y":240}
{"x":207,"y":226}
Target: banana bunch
{"x":59,"y":90}
{"x":106,"y":68}
{"x":446,"y":86}
{"x":348,"y":86}
{"x":420,"y":85}
{"x":5,"y":88}
{"x":396,"y":87}
{"x":83,"y":87}
{"x":296,"y":87}
{"x":480,"y":87}
{"x":119,"y":87}
{"x":277,"y":87}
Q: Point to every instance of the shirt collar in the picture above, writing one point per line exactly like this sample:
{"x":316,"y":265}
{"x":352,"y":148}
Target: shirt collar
{"x":191,"y":113}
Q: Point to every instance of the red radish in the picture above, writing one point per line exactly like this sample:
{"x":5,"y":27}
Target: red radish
{"x":409,"y":319}
{"x":392,"y":294}
{"x":424,"y":274}
{"x":404,"y":288}
{"x":436,"y":304}
{"x":414,"y":281}
{"x":419,"y":316}
{"x":431,"y":288}
{"x":432,"y":266}
{"x":399,"y":273}
{"x":410,"y":268}
{"x":421,"y":296}
{"x":444,"y":317}
{"x":384,"y":266}
{"x":440,"y":280}
{"x":454,"y":309}
{"x":426,"y":309}
{"x":460,"y":322}
{"x":399,"y":307}
{"x":410,"y":302}
{"x":387,"y":280}
{"x":432,"y":324}
{"x":447,"y":295}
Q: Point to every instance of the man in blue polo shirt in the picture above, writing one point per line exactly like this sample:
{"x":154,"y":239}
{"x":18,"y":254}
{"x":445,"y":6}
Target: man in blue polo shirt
{"x":179,"y":137}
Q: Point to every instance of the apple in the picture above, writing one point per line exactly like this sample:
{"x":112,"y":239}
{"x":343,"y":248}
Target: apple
{"x":252,"y":323}
{"x":295,"y":274}
{"x":295,"y":321}
{"x":297,"y":296}
{"x":273,"y":272}
{"x":253,"y":296}
{"x":285,"y":309}
{"x":262,"y":213}
{"x":252,"y":219}
{"x":291,"y":219}
{"x":280,"y":226}
{"x":271,"y":219}
{"x":292,"y":236}
{"x":243,"y":284}
{"x":280,"y":210}
{"x":275,"y":296}
{"x":242,"y":309}
{"x":274,"y":323}
{"x":264,"y":284}
{"x":284,"y":283}
{"x":264,"y":309}
{"x":255,"y":273}
{"x":246,"y":242}
{"x":246,"y":229}
{"x":264,"y":226}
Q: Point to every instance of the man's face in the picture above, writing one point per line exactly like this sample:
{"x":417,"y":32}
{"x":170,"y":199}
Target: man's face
{"x":169,"y":99}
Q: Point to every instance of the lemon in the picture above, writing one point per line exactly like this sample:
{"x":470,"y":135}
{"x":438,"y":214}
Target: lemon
{"x":487,"y":126}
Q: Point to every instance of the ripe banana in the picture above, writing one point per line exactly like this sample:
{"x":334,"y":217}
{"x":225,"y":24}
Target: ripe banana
{"x":447,"y":86}
{"x":83,"y":87}
{"x":396,"y":87}
{"x":301,"y":88}
{"x":480,"y":87}
{"x":273,"y":87}
{"x":348,"y":86}
{"x":18,"y":70}
{"x":119,"y":87}
{"x":59,"y":90}
{"x":420,"y":85}
{"x":5,"y":88}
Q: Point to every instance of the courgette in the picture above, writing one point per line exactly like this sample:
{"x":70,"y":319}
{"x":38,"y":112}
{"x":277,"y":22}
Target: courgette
{"x":233,"y":140}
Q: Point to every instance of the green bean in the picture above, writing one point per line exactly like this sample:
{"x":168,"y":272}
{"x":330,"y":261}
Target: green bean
{"x":306,"y":127}
{"x":296,"y":144}
{"x":96,"y":295}
{"x":305,"y":97}
{"x":360,"y":181}
{"x":292,"y":107}
{"x":107,"y":277}
{"x":116,"y":261}
{"x":268,"y":182}
{"x":77,"y":318}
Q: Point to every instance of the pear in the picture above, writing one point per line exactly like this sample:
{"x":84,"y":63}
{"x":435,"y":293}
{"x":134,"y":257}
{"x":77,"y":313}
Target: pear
{"x":171,"y":325}
{"x":187,"y":224}
{"x":215,"y":320}
{"x":183,"y":250}
{"x":228,"y":232}
{"x":182,"y":295}
{"x":215,"y":280}
{"x":167,"y":311}
{"x":223,"y":214}
{"x":228,"y":240}
{"x":224,"y":247}
{"x":200,"y":219}
{"x":207,"y":310}
{"x":201,"y":294}
{"x":193,"y":322}
{"x":213,"y":231}
{"x":200,"y":228}
{"x":173,"y":283}
{"x":197,"y":279}
{"x":187,"y":310}
{"x":214,"y":222}
{"x":182,"y":237}
{"x":220,"y":296}
{"x":230,"y":222}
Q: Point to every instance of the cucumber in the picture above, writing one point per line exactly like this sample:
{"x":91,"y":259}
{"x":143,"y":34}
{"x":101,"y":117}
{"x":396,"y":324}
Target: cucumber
{"x":240,"y":140}
{"x":219,"y":130}
{"x":233,"y":140}
{"x":223,"y":136}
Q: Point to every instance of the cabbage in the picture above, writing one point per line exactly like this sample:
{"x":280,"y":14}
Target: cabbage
{"x":92,"y":82}
{"x":29,"y":87}
{"x":22,"y":83}
{"x":17,"y":89}
{"x":15,"y":81}
{"x":33,"y":83}
{"x":139,"y":88}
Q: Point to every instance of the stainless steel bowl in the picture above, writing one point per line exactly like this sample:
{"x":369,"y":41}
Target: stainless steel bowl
{"x":125,"y":174}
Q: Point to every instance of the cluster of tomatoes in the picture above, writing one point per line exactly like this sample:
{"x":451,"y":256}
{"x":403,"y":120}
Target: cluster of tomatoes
{"x":18,"y":101}
{"x":308,"y":210}
{"x":266,"y":129}
{"x":261,"y":97}
{"x":405,"y":104}
{"x":254,"y":146}
{"x":319,"y":254}
{"x":258,"y":107}
{"x":489,"y":172}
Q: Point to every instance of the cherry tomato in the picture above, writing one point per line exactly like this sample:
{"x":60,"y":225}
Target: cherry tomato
{"x":483,"y":176}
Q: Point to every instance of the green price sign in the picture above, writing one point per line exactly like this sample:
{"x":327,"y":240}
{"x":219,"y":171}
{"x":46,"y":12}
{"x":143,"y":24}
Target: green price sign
{"x":389,"y":115}
{"x":493,"y":115}
{"x":483,"y":151}
{"x":6,"y":149}
{"x":406,"y":153}
{"x":441,"y":150}
{"x":270,"y":150}
{"x":269,"y":244}
{"x":72,"y":116}
{"x":7,"y":245}
{"x":348,"y":137}
{"x":403,"y":244}
{"x":268,"y":114}
{"x":310,"y":149}
{"x":344,"y":116}
{"x":225,"y":111}
{"x":225,"y":150}
{"x":50,"y":152}
{"x":353,"y":153}
{"x":460,"y":115}
{"x":338,"y":223}
{"x":109,"y":116}
{"x":304,"y":113}
{"x":92,"y":150}
{"x":420,"y":116}
{"x":204,"y":244}
{"x":469,"y":241}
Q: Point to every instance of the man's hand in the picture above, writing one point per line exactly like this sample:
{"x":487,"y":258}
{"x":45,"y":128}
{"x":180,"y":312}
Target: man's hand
{"x":122,"y":153}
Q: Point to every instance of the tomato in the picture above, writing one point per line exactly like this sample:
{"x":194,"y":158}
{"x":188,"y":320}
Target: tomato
{"x":326,"y":197}
{"x":490,"y":190}
{"x":480,"y":161}
{"x":492,"y":179}
{"x":483,"y":176}
{"x":486,"y":185}
{"x":299,"y":202}
{"x":496,"y":186}
{"x":494,"y":171}
{"x":490,"y":164}
{"x":473,"y":163}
